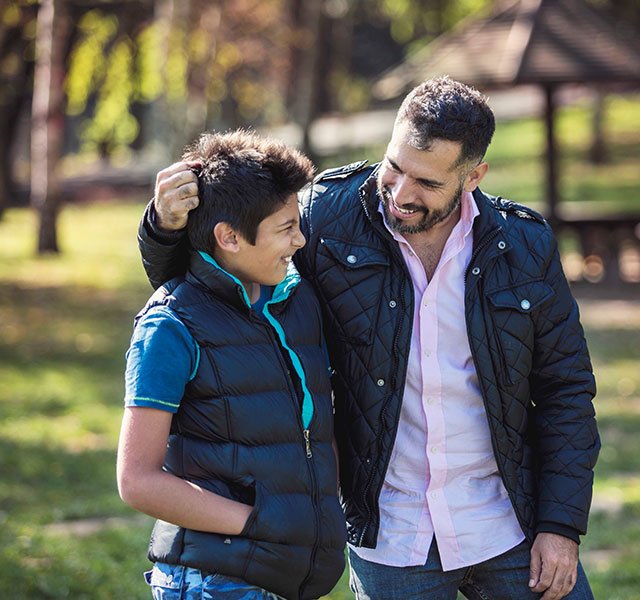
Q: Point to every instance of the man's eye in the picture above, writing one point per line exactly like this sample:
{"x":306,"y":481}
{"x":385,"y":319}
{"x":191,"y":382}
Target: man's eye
{"x":393,"y":166}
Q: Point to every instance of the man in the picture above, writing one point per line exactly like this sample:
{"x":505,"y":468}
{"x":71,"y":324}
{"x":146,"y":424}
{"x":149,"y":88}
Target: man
{"x":463,"y":386}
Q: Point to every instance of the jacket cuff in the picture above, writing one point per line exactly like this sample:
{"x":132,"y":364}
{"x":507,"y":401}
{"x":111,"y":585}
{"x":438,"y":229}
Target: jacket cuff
{"x":166,"y":238}
{"x":564,"y":530}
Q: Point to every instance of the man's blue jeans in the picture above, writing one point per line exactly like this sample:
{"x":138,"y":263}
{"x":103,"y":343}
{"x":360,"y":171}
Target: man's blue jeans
{"x":175,"y":582}
{"x":505,"y":577}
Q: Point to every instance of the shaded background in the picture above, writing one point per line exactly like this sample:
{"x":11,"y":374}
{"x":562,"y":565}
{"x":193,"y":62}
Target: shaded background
{"x":96,"y":96}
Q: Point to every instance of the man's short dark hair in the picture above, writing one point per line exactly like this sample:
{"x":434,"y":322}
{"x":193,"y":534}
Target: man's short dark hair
{"x":243,"y":179}
{"x":445,"y":109}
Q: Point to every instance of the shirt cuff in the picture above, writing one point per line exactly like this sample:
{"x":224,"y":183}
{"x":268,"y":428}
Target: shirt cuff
{"x":167,"y":238}
{"x":564,"y":530}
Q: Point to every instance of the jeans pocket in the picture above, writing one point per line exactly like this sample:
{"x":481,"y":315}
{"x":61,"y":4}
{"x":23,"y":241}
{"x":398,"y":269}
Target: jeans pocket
{"x":166,"y":581}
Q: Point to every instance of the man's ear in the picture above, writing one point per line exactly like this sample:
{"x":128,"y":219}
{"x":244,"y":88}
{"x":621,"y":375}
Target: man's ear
{"x":225,"y":236}
{"x":475,"y":176}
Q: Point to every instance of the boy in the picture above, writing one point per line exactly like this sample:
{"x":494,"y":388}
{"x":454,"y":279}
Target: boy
{"x":227,"y":432}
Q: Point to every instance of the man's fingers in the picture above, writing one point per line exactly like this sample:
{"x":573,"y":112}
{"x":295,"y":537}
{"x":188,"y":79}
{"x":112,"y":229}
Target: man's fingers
{"x":535,"y":567}
{"x":546,"y":579}
{"x":563,"y":582}
{"x":177,"y":167}
{"x":167,"y":183}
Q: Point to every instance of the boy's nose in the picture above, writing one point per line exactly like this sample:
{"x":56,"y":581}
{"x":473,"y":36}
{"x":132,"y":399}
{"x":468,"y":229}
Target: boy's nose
{"x":299,"y":240}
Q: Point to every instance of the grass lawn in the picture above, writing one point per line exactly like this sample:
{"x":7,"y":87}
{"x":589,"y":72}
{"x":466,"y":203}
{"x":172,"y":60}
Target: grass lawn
{"x":65,"y":323}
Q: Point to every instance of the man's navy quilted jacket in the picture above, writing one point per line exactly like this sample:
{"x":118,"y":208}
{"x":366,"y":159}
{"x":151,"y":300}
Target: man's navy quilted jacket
{"x":525,"y":336}
{"x":524,"y":332}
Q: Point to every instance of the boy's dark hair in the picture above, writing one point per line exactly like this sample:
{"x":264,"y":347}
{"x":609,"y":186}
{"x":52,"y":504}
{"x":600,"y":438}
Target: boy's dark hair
{"x":442,"y":108}
{"x":243,"y":179}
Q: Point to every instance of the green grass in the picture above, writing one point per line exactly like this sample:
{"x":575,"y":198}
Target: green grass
{"x":65,"y":323}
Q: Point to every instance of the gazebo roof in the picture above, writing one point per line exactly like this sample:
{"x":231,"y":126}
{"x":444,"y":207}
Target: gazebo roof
{"x":524,"y":41}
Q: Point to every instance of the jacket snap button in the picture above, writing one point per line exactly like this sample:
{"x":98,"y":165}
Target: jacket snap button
{"x":501,"y":245}
{"x":525,"y":304}
{"x":380,"y":382}
{"x":351,"y":259}
{"x":392,"y":303}
{"x":476,"y":270}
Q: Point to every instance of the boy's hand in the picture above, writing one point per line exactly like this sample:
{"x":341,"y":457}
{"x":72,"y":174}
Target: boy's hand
{"x":176,"y":193}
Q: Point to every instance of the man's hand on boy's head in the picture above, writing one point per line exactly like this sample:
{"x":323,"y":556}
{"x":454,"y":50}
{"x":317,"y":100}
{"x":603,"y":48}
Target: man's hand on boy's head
{"x":176,"y":193}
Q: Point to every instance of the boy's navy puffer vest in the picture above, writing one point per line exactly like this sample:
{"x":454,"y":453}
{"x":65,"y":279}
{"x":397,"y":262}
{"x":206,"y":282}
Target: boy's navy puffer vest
{"x":256,"y":425}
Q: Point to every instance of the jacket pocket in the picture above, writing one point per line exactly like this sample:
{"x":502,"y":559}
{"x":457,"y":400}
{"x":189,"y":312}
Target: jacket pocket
{"x":512,"y":310}
{"x":351,"y":279}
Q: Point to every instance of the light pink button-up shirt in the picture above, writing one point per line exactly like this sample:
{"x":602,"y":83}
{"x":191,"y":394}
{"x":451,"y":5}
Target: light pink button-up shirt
{"x":443,"y":479}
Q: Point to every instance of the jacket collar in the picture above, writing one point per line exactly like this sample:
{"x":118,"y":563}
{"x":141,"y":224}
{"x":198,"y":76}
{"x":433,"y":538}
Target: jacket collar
{"x":205,"y":271}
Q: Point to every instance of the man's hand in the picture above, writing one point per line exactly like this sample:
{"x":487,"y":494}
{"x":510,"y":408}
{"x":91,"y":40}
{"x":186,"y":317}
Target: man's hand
{"x":554,"y":565}
{"x":176,"y":194}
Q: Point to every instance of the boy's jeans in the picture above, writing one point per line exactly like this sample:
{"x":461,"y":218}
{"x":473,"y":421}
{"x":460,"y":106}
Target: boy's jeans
{"x":175,"y":582}
{"x":505,"y":577}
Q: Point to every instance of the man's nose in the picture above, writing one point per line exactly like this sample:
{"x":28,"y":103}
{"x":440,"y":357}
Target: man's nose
{"x":401,"y":190}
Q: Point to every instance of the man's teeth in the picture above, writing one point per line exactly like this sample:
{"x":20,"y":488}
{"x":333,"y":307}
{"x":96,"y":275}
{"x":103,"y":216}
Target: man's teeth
{"x":404,"y":211}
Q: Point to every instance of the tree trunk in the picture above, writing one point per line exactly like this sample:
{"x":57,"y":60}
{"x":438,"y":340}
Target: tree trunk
{"x":47,"y":121}
{"x":598,"y":149}
{"x":15,"y":83}
{"x":308,"y":76}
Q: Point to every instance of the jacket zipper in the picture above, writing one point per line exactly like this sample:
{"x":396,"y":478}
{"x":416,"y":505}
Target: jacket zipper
{"x":316,"y":511}
{"x":485,"y":242}
{"x":392,"y":386}
{"x":306,"y":435}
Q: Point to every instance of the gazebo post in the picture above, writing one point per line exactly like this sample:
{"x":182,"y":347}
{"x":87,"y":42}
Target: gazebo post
{"x":552,"y":161}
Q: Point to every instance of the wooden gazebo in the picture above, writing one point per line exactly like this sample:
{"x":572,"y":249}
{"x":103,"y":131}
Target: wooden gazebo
{"x":543,"y":42}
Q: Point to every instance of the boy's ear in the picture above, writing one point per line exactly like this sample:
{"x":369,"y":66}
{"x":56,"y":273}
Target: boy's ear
{"x":226,"y":238}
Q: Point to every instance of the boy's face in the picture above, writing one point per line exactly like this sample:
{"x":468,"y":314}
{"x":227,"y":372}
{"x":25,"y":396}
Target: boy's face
{"x":278,"y":238}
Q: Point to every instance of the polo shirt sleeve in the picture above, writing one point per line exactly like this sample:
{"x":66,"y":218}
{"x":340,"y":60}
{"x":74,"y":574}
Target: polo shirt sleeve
{"x":162,"y":358}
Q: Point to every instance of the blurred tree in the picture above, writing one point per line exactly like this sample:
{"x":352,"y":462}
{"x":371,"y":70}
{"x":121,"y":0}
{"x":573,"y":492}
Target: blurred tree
{"x":47,"y":119}
{"x":196,"y":63}
{"x":423,"y":20}
{"x":17,"y":30}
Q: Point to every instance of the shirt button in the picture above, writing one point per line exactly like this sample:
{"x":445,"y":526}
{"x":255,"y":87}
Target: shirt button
{"x":501,"y":245}
{"x":434,"y":449}
{"x":525,"y":304}
{"x":475,"y":270}
{"x":427,"y":353}
{"x":430,"y":400}
{"x":380,"y":382}
{"x":351,"y":259}
{"x":393,"y":303}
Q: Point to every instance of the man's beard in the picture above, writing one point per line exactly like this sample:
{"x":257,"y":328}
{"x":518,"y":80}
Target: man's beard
{"x":429,"y":217}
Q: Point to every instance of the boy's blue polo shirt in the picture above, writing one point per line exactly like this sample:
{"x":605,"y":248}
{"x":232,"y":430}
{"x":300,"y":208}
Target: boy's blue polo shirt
{"x":163,"y":357}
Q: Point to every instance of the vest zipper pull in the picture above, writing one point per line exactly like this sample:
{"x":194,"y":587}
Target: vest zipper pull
{"x":307,"y":443}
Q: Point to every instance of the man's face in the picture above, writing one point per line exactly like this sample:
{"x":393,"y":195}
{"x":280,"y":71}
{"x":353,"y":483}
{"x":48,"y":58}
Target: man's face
{"x":277,"y":240}
{"x":420,"y":188}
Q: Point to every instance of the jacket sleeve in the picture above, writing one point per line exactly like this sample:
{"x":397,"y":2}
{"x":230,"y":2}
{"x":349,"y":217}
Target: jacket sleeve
{"x":562,"y":390}
{"x":165,"y":255}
